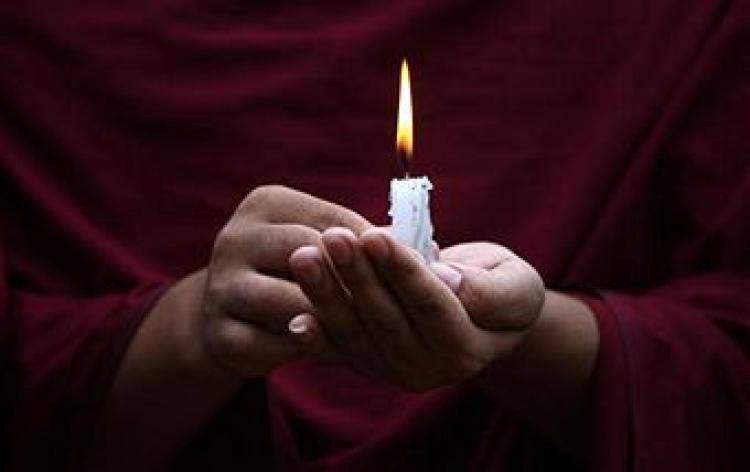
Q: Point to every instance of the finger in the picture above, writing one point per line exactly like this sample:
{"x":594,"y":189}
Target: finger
{"x":448,"y":274}
{"x":310,"y":338}
{"x":378,"y":309}
{"x":248,"y":349}
{"x":265,"y":247}
{"x":272,"y":245}
{"x":265,"y":300}
{"x":279,"y":204}
{"x":333,"y":307}
{"x":433,"y":309}
{"x":482,"y":254}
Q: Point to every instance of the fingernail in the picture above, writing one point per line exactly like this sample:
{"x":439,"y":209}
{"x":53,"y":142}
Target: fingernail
{"x":297,"y":325}
{"x":338,"y":242}
{"x":376,"y":244}
{"x":308,"y":266}
{"x":449,"y":275}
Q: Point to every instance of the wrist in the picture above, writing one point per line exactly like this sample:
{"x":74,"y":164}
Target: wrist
{"x":565,"y":329}
{"x":545,"y":380}
{"x":166,"y":386}
{"x":182,"y":310}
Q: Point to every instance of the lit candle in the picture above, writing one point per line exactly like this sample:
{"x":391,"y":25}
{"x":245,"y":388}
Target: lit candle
{"x":410,"y":197}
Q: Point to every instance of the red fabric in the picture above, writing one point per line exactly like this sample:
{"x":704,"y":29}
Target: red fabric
{"x":606,"y":142}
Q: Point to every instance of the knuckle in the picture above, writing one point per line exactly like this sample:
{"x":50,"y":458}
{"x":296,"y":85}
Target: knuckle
{"x":214,"y":294}
{"x":229,"y":344}
{"x":238,"y":300}
{"x":331,"y":214}
{"x":226,"y":241}
{"x":260,"y":300}
{"x":261,"y":196}
{"x":232,"y":296}
{"x":263,"y":193}
{"x":211,"y":302}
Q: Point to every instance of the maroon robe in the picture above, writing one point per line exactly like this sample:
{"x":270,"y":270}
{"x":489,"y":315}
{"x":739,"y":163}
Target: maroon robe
{"x":608,"y":143}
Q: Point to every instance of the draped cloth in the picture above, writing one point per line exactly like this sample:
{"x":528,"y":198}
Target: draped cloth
{"x":605,"y":142}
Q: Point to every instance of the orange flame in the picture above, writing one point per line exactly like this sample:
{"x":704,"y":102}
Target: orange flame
{"x":405,"y":124}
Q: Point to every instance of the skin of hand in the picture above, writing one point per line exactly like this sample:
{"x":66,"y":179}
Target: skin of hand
{"x":480,"y":314}
{"x":226,"y":323}
{"x":250,"y":296}
{"x":213,"y":330}
{"x":389,"y":314}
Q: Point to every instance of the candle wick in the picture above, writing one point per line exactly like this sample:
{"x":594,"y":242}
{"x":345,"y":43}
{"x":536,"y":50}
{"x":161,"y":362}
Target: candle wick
{"x":403,"y":160}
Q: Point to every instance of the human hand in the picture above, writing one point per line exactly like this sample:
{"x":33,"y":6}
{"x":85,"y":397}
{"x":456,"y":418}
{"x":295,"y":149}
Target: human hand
{"x":499,"y":290}
{"x":398,"y":320}
{"x":249,"y":297}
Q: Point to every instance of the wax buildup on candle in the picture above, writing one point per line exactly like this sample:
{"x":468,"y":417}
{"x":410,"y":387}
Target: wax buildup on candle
{"x":410,"y":214}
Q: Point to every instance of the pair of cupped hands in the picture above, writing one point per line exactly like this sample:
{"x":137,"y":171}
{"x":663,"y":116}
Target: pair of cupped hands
{"x":294,"y":276}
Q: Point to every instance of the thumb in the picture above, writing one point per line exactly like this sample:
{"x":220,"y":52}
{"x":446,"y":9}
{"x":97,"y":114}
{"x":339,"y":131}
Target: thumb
{"x":494,"y":300}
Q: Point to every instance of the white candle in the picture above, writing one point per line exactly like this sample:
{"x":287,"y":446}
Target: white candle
{"x":410,"y":214}
{"x":410,"y":197}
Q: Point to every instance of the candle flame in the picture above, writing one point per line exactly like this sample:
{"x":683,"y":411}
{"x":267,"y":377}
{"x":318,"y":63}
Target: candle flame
{"x":405,"y":126}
